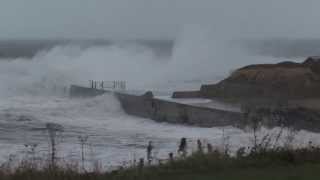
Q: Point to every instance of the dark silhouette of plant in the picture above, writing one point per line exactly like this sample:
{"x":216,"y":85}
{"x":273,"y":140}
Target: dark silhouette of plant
{"x":54,"y":131}
{"x":182,"y":150}
{"x":83,"y":140}
{"x":225,"y":142}
{"x":149,"y":152}
{"x":141,"y":164}
{"x":210,"y":148}
{"x":199,"y":145}
{"x":171,"y":157}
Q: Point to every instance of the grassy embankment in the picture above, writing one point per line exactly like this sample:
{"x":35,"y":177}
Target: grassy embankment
{"x":259,"y":163}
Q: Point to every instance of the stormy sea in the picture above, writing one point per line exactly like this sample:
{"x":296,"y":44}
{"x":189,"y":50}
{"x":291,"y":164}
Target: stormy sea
{"x":35,"y":76}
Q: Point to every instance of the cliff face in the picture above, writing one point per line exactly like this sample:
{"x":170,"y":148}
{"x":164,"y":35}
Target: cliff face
{"x":286,"y":80}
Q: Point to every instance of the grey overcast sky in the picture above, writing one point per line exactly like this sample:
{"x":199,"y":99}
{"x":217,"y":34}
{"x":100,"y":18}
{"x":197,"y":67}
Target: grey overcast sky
{"x":157,"y":18}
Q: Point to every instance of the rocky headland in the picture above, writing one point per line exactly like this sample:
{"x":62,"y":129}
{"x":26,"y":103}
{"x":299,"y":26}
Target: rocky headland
{"x":288,"y":90}
{"x":287,"y":80}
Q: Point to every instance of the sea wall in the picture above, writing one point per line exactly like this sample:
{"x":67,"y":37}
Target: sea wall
{"x":78,"y":91}
{"x":172,"y":112}
{"x":146,"y":106}
{"x":186,"y":94}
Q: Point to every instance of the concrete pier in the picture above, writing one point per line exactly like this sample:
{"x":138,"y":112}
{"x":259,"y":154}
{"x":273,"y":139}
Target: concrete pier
{"x":147,"y":106}
{"x":161,"y":110}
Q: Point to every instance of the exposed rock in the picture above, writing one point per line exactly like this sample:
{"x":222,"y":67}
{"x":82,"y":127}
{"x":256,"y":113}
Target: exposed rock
{"x":148,"y":95}
{"x":313,"y":63}
{"x":287,"y":80}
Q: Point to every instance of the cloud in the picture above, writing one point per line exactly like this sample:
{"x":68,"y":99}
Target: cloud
{"x":156,"y":18}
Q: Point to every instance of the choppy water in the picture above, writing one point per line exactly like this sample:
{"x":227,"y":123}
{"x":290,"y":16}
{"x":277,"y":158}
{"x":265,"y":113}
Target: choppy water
{"x":32,"y":94}
{"x":114,"y":137}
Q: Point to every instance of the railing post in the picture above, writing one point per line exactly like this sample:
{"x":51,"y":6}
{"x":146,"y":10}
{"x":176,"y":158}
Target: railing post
{"x":91,"y":83}
{"x":101,"y":85}
{"x":115,"y":85}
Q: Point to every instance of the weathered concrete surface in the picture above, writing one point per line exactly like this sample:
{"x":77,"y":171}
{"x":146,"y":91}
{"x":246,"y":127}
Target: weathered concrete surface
{"x":186,"y":94}
{"x":172,"y":112}
{"x":147,"y":106}
{"x":78,"y":91}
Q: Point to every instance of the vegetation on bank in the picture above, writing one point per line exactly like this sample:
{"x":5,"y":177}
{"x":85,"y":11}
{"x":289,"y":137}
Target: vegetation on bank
{"x":275,"y":163}
{"x":265,"y":159}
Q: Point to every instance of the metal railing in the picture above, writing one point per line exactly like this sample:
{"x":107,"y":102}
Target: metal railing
{"x":108,"y":85}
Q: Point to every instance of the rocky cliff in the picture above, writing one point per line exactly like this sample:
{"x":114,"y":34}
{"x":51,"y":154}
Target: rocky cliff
{"x":286,"y":80}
